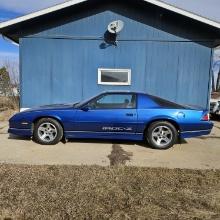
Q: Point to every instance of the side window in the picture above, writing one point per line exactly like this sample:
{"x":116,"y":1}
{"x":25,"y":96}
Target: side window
{"x":114,"y":101}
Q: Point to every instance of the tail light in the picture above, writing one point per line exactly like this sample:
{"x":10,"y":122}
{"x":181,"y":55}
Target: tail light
{"x":205,"y":117}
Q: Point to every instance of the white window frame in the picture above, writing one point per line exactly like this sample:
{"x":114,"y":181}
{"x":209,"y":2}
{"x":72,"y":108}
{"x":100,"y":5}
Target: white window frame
{"x":100,"y":70}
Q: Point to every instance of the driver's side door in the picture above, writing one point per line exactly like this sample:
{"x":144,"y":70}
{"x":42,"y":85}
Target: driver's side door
{"x":108,"y":114}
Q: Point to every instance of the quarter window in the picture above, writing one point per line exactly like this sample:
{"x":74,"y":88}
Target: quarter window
{"x":114,"y":76}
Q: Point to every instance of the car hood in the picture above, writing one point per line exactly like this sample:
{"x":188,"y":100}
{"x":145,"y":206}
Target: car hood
{"x":52,"y":107}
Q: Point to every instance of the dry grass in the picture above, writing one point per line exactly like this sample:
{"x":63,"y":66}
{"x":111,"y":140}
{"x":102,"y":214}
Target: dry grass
{"x":118,"y":192}
{"x":8,"y":107}
{"x":9,"y":103}
{"x":5,"y":115}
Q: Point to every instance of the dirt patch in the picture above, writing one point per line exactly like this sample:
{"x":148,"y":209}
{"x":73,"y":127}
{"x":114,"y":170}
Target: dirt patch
{"x":119,"y":156}
{"x":118,"y":192}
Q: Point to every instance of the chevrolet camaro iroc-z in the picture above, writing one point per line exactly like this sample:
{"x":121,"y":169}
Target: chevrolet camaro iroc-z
{"x":113,"y":115}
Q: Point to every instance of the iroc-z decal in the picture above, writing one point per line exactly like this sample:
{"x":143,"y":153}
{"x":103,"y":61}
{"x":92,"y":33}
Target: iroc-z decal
{"x":126,"y":129}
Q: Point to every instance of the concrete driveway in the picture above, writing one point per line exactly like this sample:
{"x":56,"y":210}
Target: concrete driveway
{"x":197,"y":153}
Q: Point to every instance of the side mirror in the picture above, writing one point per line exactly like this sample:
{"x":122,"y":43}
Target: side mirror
{"x":85,"y":108}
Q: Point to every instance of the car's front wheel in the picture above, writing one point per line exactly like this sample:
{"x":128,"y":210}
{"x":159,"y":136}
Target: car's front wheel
{"x":161,"y":135}
{"x":47,"y":131}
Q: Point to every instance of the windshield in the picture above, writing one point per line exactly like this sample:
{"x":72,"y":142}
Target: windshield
{"x":79,"y":104}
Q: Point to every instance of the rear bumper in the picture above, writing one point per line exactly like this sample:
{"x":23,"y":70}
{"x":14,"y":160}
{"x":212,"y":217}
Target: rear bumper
{"x":190,"y":134}
{"x":20,"y":132}
{"x":195,"y":130}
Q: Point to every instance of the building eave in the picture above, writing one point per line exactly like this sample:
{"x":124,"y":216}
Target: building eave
{"x":35,"y":15}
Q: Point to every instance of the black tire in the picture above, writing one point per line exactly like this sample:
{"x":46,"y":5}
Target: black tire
{"x":172,"y":135}
{"x":58,"y":134}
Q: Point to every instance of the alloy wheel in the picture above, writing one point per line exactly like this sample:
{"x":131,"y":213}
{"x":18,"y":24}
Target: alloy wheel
{"x":162,"y":136}
{"x":47,"y":132}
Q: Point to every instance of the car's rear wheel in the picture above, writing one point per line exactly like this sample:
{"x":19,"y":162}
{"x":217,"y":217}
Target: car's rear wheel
{"x":47,"y":131}
{"x":161,"y":135}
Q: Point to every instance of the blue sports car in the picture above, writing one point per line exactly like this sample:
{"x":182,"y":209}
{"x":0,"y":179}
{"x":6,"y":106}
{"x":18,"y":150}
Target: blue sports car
{"x":114,"y":115}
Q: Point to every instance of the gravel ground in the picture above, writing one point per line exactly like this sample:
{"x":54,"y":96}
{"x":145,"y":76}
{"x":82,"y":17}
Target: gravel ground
{"x":196,"y":153}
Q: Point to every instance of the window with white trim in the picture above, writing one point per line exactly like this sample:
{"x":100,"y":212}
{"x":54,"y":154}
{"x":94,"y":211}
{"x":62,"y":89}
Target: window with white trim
{"x":119,"y":77}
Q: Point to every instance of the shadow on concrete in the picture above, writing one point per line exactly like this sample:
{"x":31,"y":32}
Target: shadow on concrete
{"x":107,"y":141}
{"x":208,"y":137}
{"x":103,"y":141}
{"x":182,"y":141}
{"x":110,"y":141}
{"x":15,"y":137}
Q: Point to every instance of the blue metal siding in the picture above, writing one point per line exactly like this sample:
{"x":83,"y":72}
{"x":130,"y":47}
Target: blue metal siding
{"x":95,"y":26}
{"x":66,"y":70}
{"x":60,"y":64}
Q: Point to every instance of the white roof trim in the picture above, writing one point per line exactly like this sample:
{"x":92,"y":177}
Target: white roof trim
{"x":74,"y":2}
{"x":185,"y":13}
{"x":40,"y":13}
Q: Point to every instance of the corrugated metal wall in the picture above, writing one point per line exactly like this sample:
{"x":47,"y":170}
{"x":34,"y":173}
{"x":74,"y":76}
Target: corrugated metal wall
{"x":61,"y":64}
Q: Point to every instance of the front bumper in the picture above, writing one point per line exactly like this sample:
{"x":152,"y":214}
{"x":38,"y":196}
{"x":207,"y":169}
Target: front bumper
{"x":20,"y":132}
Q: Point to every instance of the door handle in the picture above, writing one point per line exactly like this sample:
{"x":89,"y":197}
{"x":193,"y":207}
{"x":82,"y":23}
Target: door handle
{"x":129,"y":114}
